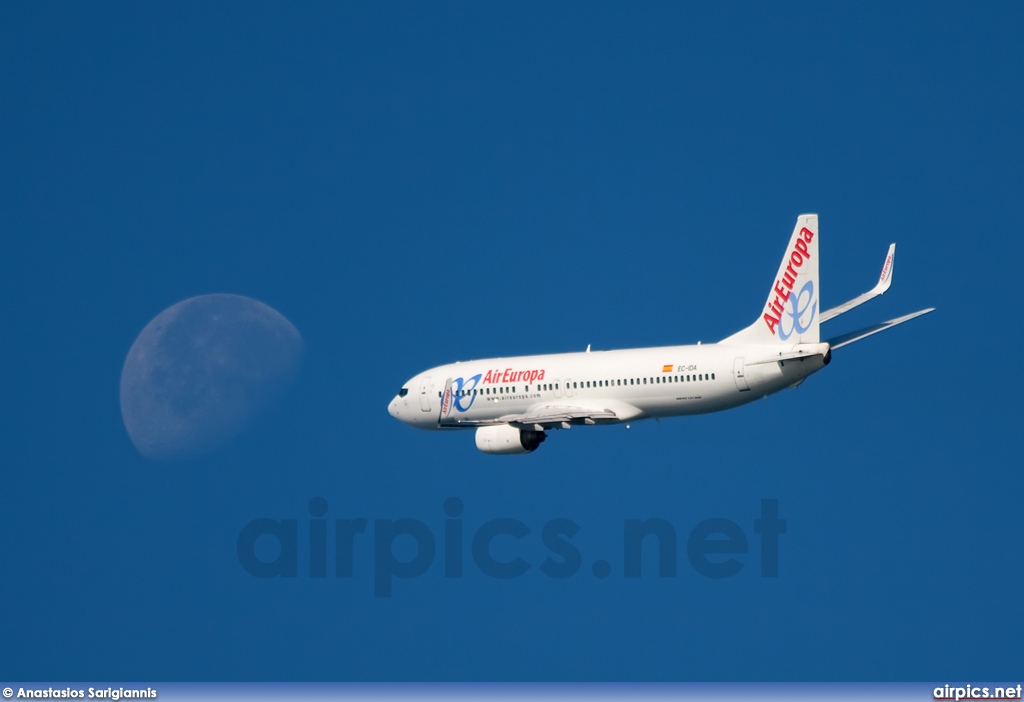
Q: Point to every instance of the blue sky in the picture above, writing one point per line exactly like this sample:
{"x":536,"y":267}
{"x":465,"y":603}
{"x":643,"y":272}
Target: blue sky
{"x":414,"y":184}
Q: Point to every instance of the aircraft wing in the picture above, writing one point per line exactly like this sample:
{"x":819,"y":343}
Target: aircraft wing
{"x":551,"y":415}
{"x":844,"y":339}
{"x":884,"y":281}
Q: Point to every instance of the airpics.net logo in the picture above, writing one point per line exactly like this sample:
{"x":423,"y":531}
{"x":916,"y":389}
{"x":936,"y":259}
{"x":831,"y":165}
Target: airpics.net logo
{"x":977,"y":692}
{"x":503,"y":548}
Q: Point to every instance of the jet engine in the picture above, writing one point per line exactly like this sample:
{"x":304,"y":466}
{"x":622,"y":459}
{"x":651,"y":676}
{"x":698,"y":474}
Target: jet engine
{"x":505,"y":438}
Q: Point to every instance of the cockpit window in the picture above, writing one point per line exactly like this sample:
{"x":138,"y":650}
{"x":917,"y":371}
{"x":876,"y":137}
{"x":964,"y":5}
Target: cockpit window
{"x":403,"y":392}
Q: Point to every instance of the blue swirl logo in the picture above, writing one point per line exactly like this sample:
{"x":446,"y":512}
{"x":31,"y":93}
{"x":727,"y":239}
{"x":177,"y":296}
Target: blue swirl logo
{"x":458,"y":386}
{"x":802,"y":305}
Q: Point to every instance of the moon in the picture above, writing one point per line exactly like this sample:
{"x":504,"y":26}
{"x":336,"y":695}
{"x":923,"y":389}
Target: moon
{"x":201,"y":370}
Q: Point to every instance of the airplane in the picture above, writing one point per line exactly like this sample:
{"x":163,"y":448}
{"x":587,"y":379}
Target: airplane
{"x":513,"y":402}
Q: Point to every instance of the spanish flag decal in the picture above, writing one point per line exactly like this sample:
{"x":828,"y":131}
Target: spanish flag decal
{"x":666,"y":369}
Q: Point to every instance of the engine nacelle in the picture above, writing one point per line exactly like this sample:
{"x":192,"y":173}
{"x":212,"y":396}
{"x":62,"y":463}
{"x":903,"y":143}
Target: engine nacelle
{"x":504,"y":438}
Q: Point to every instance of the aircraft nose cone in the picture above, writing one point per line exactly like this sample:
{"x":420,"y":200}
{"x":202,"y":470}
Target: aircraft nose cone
{"x":393,"y":408}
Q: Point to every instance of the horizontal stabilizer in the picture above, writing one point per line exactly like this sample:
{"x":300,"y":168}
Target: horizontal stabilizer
{"x":884,"y":281}
{"x":844,"y":339}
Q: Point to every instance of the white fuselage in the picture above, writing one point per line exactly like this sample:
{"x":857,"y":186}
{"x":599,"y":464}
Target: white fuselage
{"x":632,"y":384}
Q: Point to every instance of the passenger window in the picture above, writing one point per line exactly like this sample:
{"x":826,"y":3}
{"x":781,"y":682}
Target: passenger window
{"x":712,"y":376}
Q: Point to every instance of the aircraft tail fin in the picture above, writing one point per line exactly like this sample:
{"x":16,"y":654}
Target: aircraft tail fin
{"x":790,"y":314}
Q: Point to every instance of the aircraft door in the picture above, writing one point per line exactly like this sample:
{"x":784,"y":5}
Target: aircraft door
{"x":738,"y":375}
{"x":558,"y":387}
{"x":568,"y":387}
{"x":425,"y":394}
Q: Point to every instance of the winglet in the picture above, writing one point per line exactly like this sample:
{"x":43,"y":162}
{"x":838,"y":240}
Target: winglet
{"x":884,"y":281}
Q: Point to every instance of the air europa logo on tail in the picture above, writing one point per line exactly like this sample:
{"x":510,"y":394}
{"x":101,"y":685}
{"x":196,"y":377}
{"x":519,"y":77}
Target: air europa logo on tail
{"x":784,"y":285}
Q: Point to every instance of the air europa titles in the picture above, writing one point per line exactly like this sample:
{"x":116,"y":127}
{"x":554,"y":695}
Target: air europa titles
{"x":513,"y":376}
{"x":885,"y":267}
{"x":446,"y":402}
{"x":784,"y":285}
